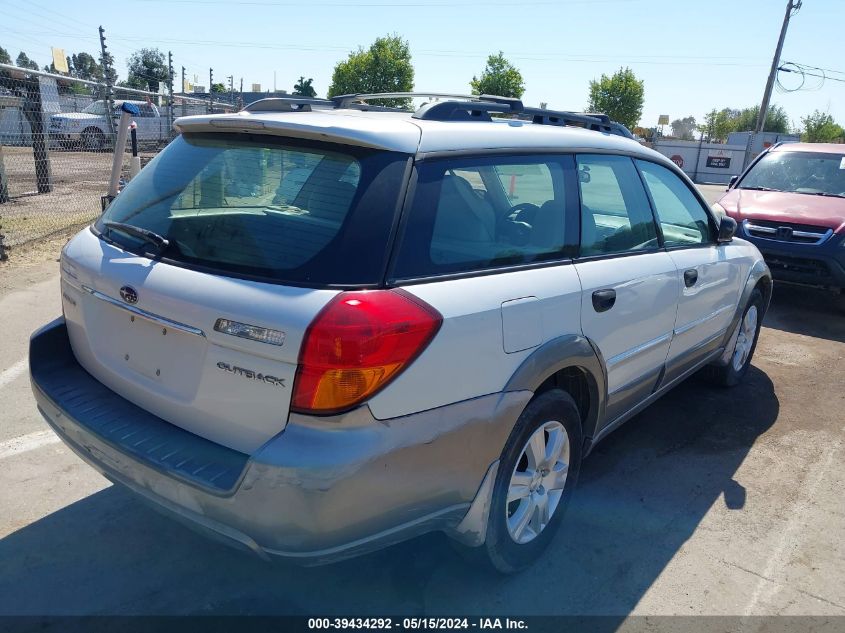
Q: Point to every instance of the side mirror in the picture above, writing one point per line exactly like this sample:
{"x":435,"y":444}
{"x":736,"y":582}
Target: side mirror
{"x":727,"y":228}
{"x":732,"y":182}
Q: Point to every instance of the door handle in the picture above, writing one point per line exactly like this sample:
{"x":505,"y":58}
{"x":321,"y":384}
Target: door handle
{"x":690,"y":277}
{"x":603,"y":300}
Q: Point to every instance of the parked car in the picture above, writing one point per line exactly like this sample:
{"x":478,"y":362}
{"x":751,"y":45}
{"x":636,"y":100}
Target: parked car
{"x":90,"y":129}
{"x":313,"y":329}
{"x":790,"y":203}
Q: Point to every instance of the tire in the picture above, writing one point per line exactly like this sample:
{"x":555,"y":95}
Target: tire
{"x":732,"y":374}
{"x":92,"y":139}
{"x":546,"y":415}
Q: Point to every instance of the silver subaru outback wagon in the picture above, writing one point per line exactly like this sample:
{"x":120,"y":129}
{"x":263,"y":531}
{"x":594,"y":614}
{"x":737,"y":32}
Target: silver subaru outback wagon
{"x":316,"y":328}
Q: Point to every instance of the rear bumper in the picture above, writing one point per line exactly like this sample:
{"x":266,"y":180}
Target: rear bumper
{"x":822,"y":265}
{"x":322,"y":490}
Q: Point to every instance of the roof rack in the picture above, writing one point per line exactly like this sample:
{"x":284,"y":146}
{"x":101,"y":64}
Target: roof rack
{"x":453,"y":107}
{"x":360,"y":99}
{"x":461,"y":107}
{"x":287,"y":104}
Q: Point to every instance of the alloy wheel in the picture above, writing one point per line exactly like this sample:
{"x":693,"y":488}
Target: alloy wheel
{"x":537,"y":482}
{"x":745,"y":338}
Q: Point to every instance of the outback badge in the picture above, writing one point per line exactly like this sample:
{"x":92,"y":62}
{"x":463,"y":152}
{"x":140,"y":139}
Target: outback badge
{"x":251,"y":375}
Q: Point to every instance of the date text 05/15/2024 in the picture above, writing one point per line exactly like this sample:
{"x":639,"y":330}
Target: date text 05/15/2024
{"x":417,"y":623}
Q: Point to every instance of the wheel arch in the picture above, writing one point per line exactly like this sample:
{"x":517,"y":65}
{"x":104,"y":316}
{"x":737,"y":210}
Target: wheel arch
{"x":573,"y":364}
{"x":759,"y":278}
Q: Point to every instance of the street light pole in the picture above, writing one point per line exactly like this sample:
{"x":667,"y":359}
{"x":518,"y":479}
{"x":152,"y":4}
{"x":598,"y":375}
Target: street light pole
{"x":791,"y":6}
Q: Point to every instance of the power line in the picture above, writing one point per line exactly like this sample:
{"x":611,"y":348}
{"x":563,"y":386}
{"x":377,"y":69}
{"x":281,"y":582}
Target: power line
{"x":683,"y":60}
{"x":803,"y":71}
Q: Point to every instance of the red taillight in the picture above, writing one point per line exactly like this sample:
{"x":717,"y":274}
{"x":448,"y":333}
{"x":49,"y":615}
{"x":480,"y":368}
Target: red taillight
{"x":357,"y":344}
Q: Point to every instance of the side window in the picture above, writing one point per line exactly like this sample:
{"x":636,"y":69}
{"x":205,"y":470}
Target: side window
{"x":466,"y":217}
{"x":683,"y":220}
{"x":615,"y":213}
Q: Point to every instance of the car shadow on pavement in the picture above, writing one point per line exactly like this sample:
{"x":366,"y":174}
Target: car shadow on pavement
{"x":807,"y":311}
{"x":642,"y":494}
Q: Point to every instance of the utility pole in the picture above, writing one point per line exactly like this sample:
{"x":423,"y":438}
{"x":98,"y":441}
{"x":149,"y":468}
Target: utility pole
{"x":108,"y":97}
{"x":210,"y":84}
{"x":791,"y":9}
{"x":170,"y":87}
{"x":183,"y":91}
{"x":231,"y":89}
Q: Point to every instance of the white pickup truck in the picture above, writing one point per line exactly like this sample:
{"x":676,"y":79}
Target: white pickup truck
{"x":90,"y":129}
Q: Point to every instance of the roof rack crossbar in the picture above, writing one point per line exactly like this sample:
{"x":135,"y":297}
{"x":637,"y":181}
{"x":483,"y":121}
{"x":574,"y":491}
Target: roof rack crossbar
{"x":463,"y":110}
{"x":345,"y":101}
{"x":286,"y":104}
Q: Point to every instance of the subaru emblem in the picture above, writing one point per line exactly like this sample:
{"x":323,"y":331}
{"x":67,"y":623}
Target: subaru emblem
{"x":129,"y":294}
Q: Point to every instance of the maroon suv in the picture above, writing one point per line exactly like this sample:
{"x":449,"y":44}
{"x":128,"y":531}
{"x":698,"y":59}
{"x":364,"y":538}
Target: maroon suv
{"x":790,"y":203}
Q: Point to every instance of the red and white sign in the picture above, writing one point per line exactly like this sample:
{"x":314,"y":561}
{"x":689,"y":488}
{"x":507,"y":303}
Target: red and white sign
{"x":678,"y":160}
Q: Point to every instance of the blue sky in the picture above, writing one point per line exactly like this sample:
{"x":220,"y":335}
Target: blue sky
{"x":693,"y":55}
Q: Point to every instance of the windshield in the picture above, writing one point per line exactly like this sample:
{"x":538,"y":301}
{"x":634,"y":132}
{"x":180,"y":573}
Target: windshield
{"x":275,"y":209}
{"x":98,"y":107}
{"x":798,"y":172}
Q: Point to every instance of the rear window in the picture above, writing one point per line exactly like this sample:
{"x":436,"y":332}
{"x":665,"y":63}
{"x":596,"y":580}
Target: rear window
{"x":256,"y":206}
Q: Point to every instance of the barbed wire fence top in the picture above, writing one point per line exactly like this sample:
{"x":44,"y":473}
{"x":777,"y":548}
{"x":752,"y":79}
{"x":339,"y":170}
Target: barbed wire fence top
{"x":57,"y":138}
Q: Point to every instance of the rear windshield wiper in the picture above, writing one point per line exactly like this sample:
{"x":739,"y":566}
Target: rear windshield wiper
{"x":148,"y":236}
{"x":758,"y":188}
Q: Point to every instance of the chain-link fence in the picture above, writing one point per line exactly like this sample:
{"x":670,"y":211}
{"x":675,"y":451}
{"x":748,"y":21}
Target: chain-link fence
{"x":57,"y":137}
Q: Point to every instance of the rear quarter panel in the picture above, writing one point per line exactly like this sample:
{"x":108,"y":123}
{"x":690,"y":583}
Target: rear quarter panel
{"x":467,"y":358}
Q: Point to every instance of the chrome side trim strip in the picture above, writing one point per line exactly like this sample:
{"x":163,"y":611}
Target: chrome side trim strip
{"x":639,"y":349}
{"x":149,"y":316}
{"x":688,"y":326}
{"x":648,"y":377}
{"x":620,"y":420}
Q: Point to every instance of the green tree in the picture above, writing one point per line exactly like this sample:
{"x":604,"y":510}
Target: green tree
{"x":384,"y":67}
{"x":619,"y":96}
{"x":777,"y":120}
{"x":303,"y":87}
{"x":23,"y":61}
{"x":684,"y":128}
{"x":819,"y":127}
{"x":147,"y":69}
{"x":718,"y":124}
{"x":85,"y":66}
{"x":5,"y":58}
{"x":499,"y":77}
{"x":218,"y":88}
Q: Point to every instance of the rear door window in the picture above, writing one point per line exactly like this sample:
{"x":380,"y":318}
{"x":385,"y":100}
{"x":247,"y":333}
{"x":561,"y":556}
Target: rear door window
{"x":311,"y":213}
{"x":615,"y":213}
{"x":481,"y":213}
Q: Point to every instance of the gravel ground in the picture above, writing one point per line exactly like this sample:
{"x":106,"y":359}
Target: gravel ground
{"x":79,"y":179}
